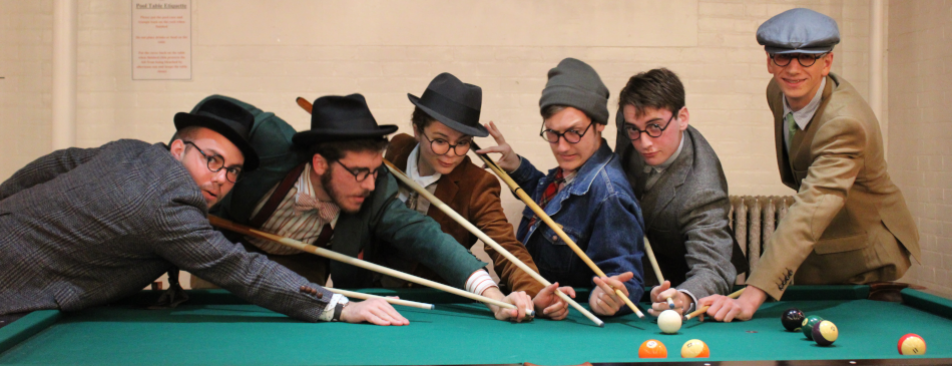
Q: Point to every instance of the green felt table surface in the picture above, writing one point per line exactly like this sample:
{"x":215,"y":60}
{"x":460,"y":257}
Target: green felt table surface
{"x":216,"y":328}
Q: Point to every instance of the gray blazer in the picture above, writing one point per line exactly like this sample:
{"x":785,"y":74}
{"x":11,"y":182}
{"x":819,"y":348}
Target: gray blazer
{"x":686,"y":215}
{"x":82,"y":227}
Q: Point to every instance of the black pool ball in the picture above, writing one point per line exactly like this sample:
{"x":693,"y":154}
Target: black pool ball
{"x":792,"y":319}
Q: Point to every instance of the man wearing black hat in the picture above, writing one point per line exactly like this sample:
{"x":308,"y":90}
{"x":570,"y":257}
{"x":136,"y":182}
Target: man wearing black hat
{"x":82,"y":227}
{"x":849,"y":223}
{"x":327,"y":186}
{"x":587,"y":194}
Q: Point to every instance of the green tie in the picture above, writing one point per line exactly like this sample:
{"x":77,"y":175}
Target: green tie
{"x":792,"y":129}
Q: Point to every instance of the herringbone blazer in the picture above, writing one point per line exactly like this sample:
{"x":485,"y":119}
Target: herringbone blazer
{"x":686,"y":215}
{"x":82,"y":227}
{"x":849,"y":222}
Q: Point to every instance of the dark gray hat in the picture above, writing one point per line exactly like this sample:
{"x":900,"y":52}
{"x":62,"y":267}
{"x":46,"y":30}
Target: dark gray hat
{"x":341,"y":118}
{"x":576,"y":84}
{"x":799,"y":31}
{"x":226,"y":118}
{"x":453,"y":103}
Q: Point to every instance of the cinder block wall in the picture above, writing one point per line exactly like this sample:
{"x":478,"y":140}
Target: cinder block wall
{"x":920,"y":131}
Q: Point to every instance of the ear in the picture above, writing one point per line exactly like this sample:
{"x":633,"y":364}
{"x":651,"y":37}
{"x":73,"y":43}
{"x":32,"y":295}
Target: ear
{"x":416,"y":132}
{"x":684,"y":117}
{"x":319,"y":164}
{"x":177,"y":149}
{"x":827,"y":63}
{"x":600,"y":127}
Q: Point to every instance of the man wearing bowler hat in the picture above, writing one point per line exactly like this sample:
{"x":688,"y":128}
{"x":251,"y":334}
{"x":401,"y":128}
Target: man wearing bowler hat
{"x":82,"y":227}
{"x":445,"y":120}
{"x":849,"y":223}
{"x":328,"y":187}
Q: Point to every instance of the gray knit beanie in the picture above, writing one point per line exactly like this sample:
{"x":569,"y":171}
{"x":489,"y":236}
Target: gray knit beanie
{"x":576,"y":84}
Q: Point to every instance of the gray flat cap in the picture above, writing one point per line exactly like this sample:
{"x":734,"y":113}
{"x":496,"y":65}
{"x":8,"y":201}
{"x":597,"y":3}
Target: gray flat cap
{"x":799,"y":31}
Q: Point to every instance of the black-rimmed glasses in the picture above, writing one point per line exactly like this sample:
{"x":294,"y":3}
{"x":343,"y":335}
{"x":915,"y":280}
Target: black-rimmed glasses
{"x":442,"y":147}
{"x":805,"y":59}
{"x":571,"y":136}
{"x":652,"y":129}
{"x":216,"y":163}
{"x":361,"y":174}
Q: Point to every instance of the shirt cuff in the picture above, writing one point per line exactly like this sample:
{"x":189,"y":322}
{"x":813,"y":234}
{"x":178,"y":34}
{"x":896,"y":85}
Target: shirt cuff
{"x":330,"y":312}
{"x":693,"y":301}
{"x":479,"y":281}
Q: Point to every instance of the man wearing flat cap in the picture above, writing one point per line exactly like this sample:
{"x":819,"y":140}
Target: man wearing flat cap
{"x":327,"y":186}
{"x":587,"y":193}
{"x":83,"y":227}
{"x":849,"y":223}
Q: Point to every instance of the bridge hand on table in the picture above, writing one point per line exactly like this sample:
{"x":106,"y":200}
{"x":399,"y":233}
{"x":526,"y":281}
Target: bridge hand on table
{"x":520,"y":299}
{"x":374,"y":311}
{"x":725,"y":309}
{"x":549,"y":305}
{"x":603,"y":300}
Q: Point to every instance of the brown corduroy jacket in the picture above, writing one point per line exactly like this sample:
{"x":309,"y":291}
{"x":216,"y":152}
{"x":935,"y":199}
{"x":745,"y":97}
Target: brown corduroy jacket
{"x":474,"y":194}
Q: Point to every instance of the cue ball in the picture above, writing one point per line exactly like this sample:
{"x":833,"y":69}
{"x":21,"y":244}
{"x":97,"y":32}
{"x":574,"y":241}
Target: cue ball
{"x":652,"y":348}
{"x":825,"y":333}
{"x":807,"y":325}
{"x":792,"y":319}
{"x":695,"y":348}
{"x":912,"y":345}
{"x":669,"y":321}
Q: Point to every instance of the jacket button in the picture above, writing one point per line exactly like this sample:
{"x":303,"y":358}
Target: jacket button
{"x":320,"y":295}
{"x":555,"y":238}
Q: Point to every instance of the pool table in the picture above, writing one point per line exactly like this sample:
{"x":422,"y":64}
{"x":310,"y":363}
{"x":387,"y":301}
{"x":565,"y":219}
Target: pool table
{"x":217,"y":328}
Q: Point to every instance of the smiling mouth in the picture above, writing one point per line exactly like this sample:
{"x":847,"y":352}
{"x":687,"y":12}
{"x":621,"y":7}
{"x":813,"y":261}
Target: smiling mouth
{"x":794,"y":81}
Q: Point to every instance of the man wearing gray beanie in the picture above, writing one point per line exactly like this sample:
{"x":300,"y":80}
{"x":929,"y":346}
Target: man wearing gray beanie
{"x":587,"y":194}
{"x":849,"y":223}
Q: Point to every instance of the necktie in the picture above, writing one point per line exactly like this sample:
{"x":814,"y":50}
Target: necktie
{"x":550,"y":192}
{"x":792,"y":129}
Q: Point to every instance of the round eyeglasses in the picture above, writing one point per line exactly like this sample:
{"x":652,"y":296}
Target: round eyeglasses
{"x":216,"y":163}
{"x":443,"y":147}
{"x":361,"y":174}
{"x":805,"y":59}
{"x":571,"y":136}
{"x":652,"y":129}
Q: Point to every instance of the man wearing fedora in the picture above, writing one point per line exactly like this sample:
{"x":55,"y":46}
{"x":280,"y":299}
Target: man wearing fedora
{"x":849,"y":223}
{"x":328,"y":187}
{"x":82,"y":227}
{"x":587,"y":193}
{"x":445,"y":120}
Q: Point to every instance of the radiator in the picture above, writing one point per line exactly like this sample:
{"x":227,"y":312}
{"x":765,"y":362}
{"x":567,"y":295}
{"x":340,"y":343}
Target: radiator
{"x":753,"y":219}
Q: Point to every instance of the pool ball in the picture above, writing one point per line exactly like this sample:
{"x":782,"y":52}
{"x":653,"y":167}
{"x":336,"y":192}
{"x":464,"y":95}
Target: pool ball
{"x":669,"y":321}
{"x":912,"y":345}
{"x":825,"y":333}
{"x":652,"y":349}
{"x":695,"y":348}
{"x":807,"y":325}
{"x":792,"y":319}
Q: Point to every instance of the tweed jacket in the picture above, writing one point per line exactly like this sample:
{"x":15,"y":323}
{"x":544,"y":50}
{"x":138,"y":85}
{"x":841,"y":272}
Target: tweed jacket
{"x":474,"y":194}
{"x":598,"y":211}
{"x":686,"y":214}
{"x":82,"y":227}
{"x":849,"y":222}
{"x":383,"y":227}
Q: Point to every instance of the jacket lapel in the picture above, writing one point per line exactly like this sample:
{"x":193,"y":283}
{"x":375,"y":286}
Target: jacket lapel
{"x":666,"y":188}
{"x":800,"y":158}
{"x":775,"y":101}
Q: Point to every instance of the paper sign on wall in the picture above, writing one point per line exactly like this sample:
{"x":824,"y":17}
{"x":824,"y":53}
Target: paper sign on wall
{"x":161,"y":39}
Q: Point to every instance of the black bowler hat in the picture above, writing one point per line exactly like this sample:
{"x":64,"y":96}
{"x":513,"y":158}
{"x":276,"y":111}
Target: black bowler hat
{"x":337,"y":118}
{"x":228,"y":119}
{"x":454,"y":103}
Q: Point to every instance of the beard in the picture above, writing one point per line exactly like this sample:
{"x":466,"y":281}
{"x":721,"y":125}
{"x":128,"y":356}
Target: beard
{"x":337,"y":197}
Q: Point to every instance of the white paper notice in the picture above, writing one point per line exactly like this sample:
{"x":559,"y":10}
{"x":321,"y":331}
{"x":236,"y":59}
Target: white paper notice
{"x":161,"y":39}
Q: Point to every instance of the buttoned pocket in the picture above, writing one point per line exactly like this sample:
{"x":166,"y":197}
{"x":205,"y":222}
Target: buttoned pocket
{"x":557,"y":256}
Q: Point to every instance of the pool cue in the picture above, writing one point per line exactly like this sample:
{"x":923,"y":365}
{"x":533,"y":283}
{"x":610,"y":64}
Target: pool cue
{"x":288,"y":242}
{"x":363,"y":296}
{"x":487,"y":240}
{"x":704,"y":308}
{"x":519,"y":192}
{"x":306,"y":105}
{"x":657,"y":269}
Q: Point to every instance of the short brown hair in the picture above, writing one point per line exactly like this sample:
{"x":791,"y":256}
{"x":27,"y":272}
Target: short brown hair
{"x":658,"y":88}
{"x":335,"y":150}
{"x":421,"y":119}
{"x":552,"y":109}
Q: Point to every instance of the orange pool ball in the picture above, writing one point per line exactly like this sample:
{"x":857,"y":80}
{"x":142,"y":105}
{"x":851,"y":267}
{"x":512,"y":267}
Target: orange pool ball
{"x":912,"y":345}
{"x":652,"y":349}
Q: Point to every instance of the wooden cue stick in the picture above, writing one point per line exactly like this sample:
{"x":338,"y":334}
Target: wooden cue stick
{"x":555,"y":227}
{"x":363,"y":296}
{"x":487,"y":240}
{"x":241,"y":229}
{"x":704,"y":308}
{"x":657,"y":269}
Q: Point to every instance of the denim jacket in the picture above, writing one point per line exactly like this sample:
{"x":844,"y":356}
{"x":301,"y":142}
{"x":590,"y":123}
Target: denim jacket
{"x":598,"y":211}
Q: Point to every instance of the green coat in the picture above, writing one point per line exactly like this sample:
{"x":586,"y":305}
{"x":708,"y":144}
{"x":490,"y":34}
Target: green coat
{"x":383,"y":225}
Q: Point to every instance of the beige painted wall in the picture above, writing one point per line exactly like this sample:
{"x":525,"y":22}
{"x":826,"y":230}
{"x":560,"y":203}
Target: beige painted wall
{"x":268,"y":53}
{"x":920,"y":131}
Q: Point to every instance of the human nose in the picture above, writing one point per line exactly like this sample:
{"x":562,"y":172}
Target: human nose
{"x":369,"y":183}
{"x":220,"y":177}
{"x":563,"y":144}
